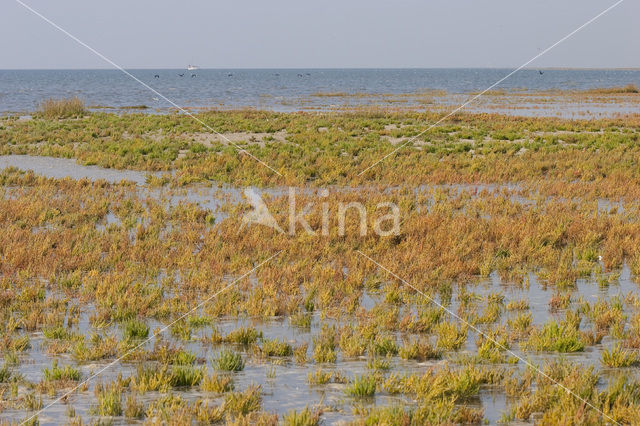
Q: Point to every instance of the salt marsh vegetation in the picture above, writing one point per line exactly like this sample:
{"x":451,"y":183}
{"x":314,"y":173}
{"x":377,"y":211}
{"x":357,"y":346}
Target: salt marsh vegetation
{"x":62,"y":108}
{"x":519,"y":237}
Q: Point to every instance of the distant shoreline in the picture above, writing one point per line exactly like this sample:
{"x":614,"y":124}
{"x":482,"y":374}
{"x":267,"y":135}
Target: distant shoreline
{"x":330,"y":68}
{"x":312,"y":89}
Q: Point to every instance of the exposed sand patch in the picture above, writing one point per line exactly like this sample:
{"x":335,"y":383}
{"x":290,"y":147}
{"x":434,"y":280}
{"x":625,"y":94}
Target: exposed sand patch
{"x":208,"y":139}
{"x":251,"y":138}
{"x":394,"y":126}
{"x":395,"y":141}
{"x":155,"y":136}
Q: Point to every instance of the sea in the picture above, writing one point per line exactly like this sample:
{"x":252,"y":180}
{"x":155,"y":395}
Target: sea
{"x":276,"y":89}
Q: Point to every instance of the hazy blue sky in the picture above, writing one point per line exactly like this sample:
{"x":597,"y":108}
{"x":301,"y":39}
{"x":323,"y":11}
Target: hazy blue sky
{"x":328,"y":33}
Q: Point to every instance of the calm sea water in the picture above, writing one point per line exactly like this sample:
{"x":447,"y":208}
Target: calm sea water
{"x":21,"y":91}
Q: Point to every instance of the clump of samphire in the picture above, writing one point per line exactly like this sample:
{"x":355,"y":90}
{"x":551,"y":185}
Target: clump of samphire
{"x":62,"y":108}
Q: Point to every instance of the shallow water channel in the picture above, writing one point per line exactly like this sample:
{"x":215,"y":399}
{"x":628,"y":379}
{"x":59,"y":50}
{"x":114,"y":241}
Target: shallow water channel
{"x":285,"y":385}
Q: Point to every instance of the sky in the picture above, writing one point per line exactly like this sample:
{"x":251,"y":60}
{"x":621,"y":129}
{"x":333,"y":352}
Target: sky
{"x":318,"y":34}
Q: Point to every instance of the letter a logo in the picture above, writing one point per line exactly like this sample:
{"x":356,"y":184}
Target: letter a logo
{"x":260,"y":214}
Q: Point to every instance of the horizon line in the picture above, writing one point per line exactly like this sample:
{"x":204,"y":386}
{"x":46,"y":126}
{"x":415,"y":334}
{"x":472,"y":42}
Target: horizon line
{"x":327,"y":68}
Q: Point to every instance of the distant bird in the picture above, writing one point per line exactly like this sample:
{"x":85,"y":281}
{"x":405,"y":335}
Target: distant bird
{"x":156,"y":99}
{"x":229,"y":75}
{"x":193,"y":75}
{"x":181,"y":75}
{"x":156,"y":76}
{"x":541,"y":72}
{"x":299,"y":75}
{"x":276,"y":74}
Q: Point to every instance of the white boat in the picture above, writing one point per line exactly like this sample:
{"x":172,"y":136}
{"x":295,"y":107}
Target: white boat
{"x":192,"y":67}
